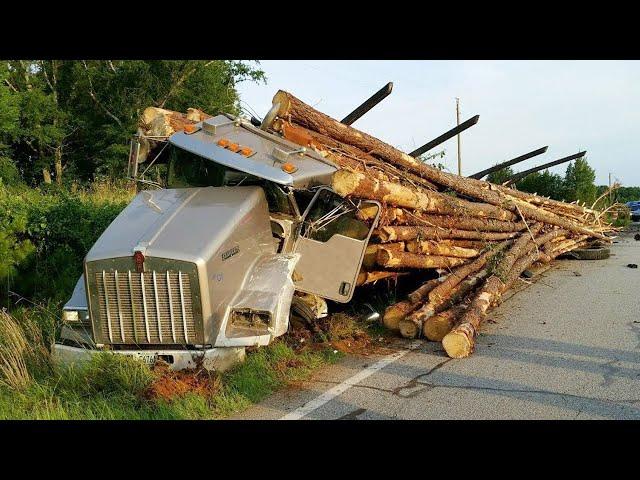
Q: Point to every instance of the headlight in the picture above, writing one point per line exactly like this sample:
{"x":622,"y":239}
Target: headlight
{"x":75,"y":316}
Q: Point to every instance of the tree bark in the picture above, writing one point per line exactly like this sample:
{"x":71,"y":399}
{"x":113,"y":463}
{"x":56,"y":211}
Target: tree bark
{"x":396,"y":312}
{"x":436,"y":327}
{"x":392,"y":234}
{"x":460,"y":341}
{"x":411,"y":325}
{"x":403,"y":217}
{"x":433,"y":247}
{"x":395,"y":259}
{"x":357,"y":184}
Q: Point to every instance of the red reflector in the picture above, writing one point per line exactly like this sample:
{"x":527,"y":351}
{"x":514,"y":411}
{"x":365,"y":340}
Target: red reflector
{"x":138,"y":258}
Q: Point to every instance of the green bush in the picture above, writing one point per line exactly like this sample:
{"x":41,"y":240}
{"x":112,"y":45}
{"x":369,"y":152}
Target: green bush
{"x":45,"y":234}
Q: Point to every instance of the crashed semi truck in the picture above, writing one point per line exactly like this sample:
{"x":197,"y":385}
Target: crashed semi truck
{"x":246,"y":230}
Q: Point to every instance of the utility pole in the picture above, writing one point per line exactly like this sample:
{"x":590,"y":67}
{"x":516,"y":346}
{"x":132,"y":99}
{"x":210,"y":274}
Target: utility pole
{"x":609,"y":188}
{"x":458,"y":123}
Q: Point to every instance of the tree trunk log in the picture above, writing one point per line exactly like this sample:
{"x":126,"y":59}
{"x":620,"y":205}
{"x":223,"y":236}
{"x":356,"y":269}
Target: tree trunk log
{"x":432,"y":247}
{"x":357,"y":184}
{"x":346,"y":155}
{"x":396,"y":312}
{"x":395,"y":259}
{"x":443,"y":291}
{"x":370,"y":277}
{"x":460,"y":341}
{"x":435,"y":328}
{"x":371,"y":252}
{"x":392,"y":234}
{"x":404,"y":217}
{"x":411,"y":325}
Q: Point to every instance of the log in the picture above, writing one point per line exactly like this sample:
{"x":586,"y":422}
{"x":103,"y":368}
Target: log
{"x":371,"y":252}
{"x":344,"y":154}
{"x":432,"y":247}
{"x":411,"y":325}
{"x":160,"y":122}
{"x":404,"y":217}
{"x":370,"y":277}
{"x":460,"y":341}
{"x":295,"y":110}
{"x":400,"y":233}
{"x":396,"y":312}
{"x":436,"y":327}
{"x":443,"y":291}
{"x":395,"y":259}
{"x":474,"y":244}
{"x":357,"y":184}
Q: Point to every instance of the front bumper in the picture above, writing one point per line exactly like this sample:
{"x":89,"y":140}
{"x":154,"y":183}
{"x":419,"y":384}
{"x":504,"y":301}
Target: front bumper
{"x":214,"y":359}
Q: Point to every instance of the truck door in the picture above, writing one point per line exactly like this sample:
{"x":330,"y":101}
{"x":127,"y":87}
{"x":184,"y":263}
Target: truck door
{"x":332,"y":242}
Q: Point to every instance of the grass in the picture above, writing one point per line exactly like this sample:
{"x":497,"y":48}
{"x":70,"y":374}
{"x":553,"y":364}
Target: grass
{"x":113,"y":387}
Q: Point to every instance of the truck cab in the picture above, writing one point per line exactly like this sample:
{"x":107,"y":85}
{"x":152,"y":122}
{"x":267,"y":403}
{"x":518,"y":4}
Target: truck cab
{"x":245,"y":226}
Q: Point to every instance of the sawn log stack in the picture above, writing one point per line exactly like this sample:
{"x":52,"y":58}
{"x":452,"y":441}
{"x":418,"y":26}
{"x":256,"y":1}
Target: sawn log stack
{"x":475,"y":237}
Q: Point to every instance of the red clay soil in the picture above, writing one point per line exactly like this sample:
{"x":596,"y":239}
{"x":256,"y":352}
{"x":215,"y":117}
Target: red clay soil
{"x":169,"y":384}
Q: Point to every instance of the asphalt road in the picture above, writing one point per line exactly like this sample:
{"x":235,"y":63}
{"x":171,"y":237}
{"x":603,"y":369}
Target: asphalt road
{"x":565,"y":347}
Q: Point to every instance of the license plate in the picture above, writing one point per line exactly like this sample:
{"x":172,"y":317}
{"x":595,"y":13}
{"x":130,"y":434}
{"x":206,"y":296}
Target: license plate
{"x":148,"y":358}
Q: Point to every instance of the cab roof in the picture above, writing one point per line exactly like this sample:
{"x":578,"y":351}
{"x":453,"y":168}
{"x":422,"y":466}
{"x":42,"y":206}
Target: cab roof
{"x":269,"y":156}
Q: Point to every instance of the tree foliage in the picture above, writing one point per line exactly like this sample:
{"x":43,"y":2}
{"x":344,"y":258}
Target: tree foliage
{"x":543,"y":183}
{"x":579,"y":181}
{"x":500,"y":176}
{"x":77,"y":116}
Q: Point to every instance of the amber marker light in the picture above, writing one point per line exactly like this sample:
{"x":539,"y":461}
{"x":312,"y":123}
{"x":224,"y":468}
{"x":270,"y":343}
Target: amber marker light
{"x":289,"y":167}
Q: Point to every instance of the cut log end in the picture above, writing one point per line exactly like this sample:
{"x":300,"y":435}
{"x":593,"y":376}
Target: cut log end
{"x":409,"y":328}
{"x":437,"y":327}
{"x":394,"y":313}
{"x":282,"y":98}
{"x":457,"y":345}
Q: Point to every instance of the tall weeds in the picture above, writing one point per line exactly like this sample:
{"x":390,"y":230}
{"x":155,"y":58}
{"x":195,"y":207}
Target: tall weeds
{"x":23,"y":351}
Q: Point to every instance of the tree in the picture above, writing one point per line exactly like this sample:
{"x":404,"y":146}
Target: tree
{"x":500,"y":176}
{"x":543,"y":183}
{"x":579,"y":182}
{"x":78,"y":116}
{"x":9,"y":118}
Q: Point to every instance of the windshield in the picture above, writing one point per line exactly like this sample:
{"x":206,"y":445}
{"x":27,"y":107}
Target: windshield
{"x":190,"y":170}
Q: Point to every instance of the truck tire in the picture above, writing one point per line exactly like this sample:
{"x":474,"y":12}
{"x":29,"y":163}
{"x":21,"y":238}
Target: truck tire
{"x":597,"y":253}
{"x":308,"y":306}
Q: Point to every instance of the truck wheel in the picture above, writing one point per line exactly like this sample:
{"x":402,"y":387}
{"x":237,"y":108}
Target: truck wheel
{"x":597,"y":253}
{"x":309,"y":307}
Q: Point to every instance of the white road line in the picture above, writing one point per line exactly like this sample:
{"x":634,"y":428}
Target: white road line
{"x":332,"y":393}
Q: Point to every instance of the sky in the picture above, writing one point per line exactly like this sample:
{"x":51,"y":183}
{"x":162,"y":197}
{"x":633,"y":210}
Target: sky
{"x":523,"y":105}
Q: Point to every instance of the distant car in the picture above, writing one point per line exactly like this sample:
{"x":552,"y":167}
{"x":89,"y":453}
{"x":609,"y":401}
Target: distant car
{"x":635,"y":210}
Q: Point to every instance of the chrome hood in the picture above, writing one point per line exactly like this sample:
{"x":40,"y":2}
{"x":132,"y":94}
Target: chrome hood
{"x":187,"y":224}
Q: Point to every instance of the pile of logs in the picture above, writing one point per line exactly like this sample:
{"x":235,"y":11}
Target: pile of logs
{"x":479,"y":237}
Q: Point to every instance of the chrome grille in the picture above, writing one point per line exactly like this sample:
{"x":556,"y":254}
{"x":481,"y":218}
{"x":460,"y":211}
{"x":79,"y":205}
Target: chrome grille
{"x":150,"y":307}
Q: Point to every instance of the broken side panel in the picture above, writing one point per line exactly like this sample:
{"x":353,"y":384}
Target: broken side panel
{"x":261,"y":309}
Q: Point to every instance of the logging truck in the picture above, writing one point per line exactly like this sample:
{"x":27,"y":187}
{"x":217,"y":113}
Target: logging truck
{"x":245,"y":230}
